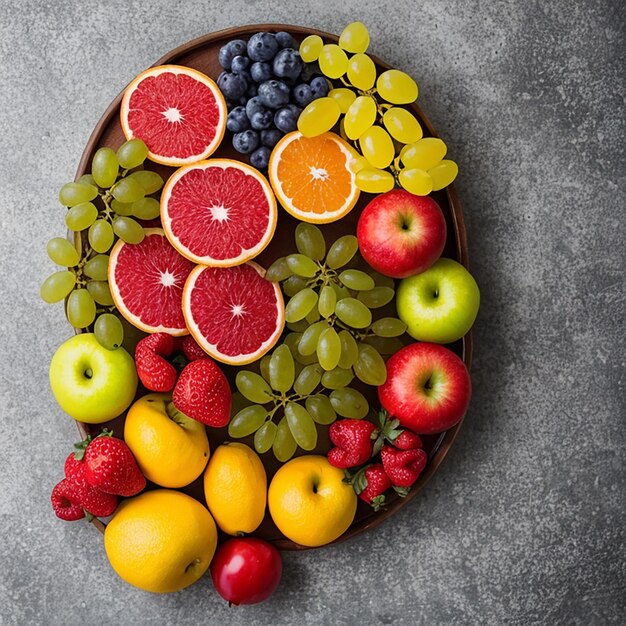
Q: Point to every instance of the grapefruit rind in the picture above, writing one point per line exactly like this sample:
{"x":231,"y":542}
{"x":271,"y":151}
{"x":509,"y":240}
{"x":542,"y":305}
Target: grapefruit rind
{"x":246,"y":254}
{"x":211,"y":349}
{"x":199,"y":76}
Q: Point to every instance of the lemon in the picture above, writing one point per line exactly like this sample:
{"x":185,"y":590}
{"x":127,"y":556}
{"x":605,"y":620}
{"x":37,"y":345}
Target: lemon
{"x":235,"y":487}
{"x":160,"y":541}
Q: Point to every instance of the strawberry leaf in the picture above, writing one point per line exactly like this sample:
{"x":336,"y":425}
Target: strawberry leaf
{"x":378,"y":502}
{"x":81,"y":446}
{"x":403,"y":492}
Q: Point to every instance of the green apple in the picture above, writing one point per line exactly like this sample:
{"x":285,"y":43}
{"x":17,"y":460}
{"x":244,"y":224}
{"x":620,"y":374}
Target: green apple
{"x":92,"y":384}
{"x":440,"y":304}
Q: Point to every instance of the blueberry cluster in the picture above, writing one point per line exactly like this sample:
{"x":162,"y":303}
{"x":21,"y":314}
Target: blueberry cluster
{"x":266,"y":85}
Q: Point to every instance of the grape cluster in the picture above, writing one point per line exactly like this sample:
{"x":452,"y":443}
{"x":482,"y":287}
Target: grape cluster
{"x":333,"y":339}
{"x":388,"y":136}
{"x":104,"y":204}
{"x":266,"y":86}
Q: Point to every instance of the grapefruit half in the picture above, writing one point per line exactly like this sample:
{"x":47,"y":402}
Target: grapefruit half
{"x":147,"y":280}
{"x":178,"y":112}
{"x":234,"y":313}
{"x":218,"y":212}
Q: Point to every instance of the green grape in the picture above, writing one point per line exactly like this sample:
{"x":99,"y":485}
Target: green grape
{"x":57,"y":286}
{"x":318,"y":117}
{"x":100,"y":292}
{"x":416,"y":181}
{"x":310,"y":337}
{"x":310,"y":48}
{"x":81,"y":309}
{"x":128,"y":230}
{"x":310,"y":241}
{"x":349,"y":402}
{"x":327,"y":301}
{"x":423,"y":154}
{"x":341,"y":292}
{"x":127,"y":190}
{"x":109,"y":331}
{"x":355,"y":37}
{"x":278,"y":270}
{"x":293,"y":285}
{"x":282,"y":369}
{"x":302,"y":265}
{"x":301,"y":425}
{"x":361,"y":72}
{"x":377,"y":147}
{"x":353,"y":313}
{"x":304,"y":359}
{"x":377,"y":297}
{"x":308,"y":379}
{"x":313,"y":316}
{"x":62,"y":252}
{"x":342,"y":251}
{"x":337,"y":378}
{"x":388,"y":327}
{"x":397,"y":87}
{"x":349,"y":350}
{"x":72,"y":194}
{"x":253,"y":387}
{"x":122,"y":208}
{"x":329,"y":349}
{"x":358,"y":164}
{"x":371,"y":180}
{"x":357,"y":280}
{"x":370,"y":367}
{"x":87,"y":179}
{"x":359,"y":117}
{"x":238,"y":402}
{"x":284,"y":444}
{"x":383,"y":281}
{"x":146,"y":208}
{"x":385,"y":345}
{"x":81,"y":216}
{"x":100,"y":235}
{"x":298,"y":327}
{"x":97,"y":267}
{"x":264,"y":437}
{"x":132,"y":153}
{"x":333,"y":61}
{"x":291,"y":341}
{"x":150,"y":181}
{"x":320,"y":409}
{"x":443,"y":174}
{"x":402,"y":125}
{"x":105,"y":167}
{"x":264,"y":367}
{"x":247,"y":421}
{"x":343,"y":96}
{"x":300,"y":305}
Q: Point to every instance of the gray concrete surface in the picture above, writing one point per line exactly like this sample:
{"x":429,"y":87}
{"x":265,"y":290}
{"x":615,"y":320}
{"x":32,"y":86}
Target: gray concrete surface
{"x":524,"y":524}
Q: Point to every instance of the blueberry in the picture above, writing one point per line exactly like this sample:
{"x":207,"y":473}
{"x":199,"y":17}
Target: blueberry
{"x":230,"y":50}
{"x":285,"y":40}
{"x":303,"y":94}
{"x":260,"y":71}
{"x":271,"y":137}
{"x":274,"y":94}
{"x":262,"y":47}
{"x":252,"y":89}
{"x":287,"y":64}
{"x":233,"y":86}
{"x":309,"y":71}
{"x":286,"y":119}
{"x":261,"y":119}
{"x":237,"y":120}
{"x":246,"y":142}
{"x":253,"y":106}
{"x":239,"y":64}
{"x":260,"y":158}
{"x":319,"y":87}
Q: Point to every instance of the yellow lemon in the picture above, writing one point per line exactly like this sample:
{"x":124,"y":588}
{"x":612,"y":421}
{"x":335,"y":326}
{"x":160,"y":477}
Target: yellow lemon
{"x":309,"y":502}
{"x":160,"y":541}
{"x":235,"y":487}
{"x":171,"y":449}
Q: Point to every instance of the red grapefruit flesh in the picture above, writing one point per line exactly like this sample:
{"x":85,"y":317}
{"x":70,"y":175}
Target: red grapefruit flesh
{"x":218,"y":212}
{"x":178,"y":112}
{"x":233,"y":313}
{"x":147,"y":280}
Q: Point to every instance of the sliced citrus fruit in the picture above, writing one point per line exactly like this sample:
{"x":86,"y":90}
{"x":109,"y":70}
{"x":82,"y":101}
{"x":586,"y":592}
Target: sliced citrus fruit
{"x":147,"y":280}
{"x":218,"y":212}
{"x":311,"y":176}
{"x":234,"y":313}
{"x":178,"y":112}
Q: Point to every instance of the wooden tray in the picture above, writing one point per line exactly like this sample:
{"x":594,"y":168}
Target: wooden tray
{"x":201,"y":54}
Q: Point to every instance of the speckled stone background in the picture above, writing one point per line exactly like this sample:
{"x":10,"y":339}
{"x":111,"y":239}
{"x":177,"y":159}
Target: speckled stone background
{"x":524,"y":523}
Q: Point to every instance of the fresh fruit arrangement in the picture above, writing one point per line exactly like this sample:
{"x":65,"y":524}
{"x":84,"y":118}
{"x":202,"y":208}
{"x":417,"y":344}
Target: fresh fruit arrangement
{"x":266,"y":352}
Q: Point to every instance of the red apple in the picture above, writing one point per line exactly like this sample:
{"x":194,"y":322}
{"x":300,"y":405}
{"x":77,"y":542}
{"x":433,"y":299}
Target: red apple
{"x":428,"y":388}
{"x":401,"y":234}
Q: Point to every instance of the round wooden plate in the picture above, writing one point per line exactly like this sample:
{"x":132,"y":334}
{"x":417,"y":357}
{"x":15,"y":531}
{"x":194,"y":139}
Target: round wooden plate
{"x":201,"y":54}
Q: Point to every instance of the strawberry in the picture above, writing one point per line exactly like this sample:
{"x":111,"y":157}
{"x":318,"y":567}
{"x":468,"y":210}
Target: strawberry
{"x":403,"y":466}
{"x":353,"y":439}
{"x":65,"y":502}
{"x":407,"y":440}
{"x":202,"y":393}
{"x":370,"y":485}
{"x":74,"y":468}
{"x":153,"y":370}
{"x":191,"y":349}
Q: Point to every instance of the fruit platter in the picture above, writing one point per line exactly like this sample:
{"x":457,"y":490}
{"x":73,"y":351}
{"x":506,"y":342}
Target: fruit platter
{"x":266,"y":272}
